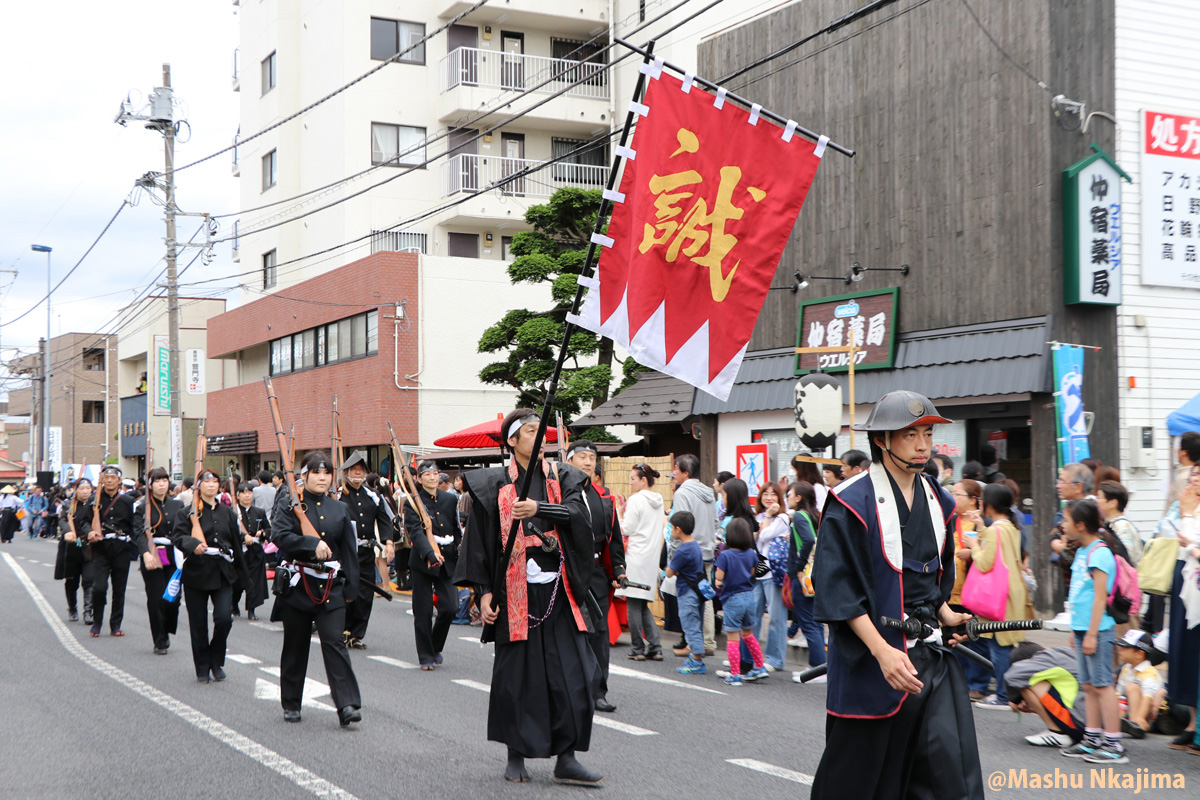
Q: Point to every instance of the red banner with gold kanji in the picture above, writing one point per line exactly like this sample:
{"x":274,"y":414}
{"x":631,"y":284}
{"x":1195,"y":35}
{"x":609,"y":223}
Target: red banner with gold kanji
{"x":710,"y":194}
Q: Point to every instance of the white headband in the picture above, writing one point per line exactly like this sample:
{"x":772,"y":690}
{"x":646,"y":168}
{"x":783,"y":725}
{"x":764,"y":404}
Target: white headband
{"x":521,"y":423}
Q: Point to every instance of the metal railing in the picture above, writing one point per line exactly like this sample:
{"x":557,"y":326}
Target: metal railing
{"x":473,"y":173}
{"x":399,"y":242}
{"x":236,"y":137}
{"x":471,"y":66}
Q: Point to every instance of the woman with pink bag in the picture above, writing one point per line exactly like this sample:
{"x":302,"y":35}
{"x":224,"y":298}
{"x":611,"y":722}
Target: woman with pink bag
{"x":996,"y":574}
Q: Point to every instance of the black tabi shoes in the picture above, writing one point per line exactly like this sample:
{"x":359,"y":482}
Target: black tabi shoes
{"x":602,"y":704}
{"x":218,"y":674}
{"x":569,"y":770}
{"x":291,"y":716}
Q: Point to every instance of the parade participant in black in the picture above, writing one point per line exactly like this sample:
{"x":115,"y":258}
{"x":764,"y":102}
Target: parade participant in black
{"x":545,"y":674}
{"x":433,"y":559}
{"x":111,"y":538}
{"x":255,"y":531}
{"x":159,"y":559}
{"x":212,"y":547}
{"x":899,"y":722}
{"x":372,"y":518}
{"x":609,"y":564}
{"x":74,"y":561}
{"x":325,"y":578}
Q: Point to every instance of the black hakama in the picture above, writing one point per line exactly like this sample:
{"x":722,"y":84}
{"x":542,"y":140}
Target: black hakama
{"x":926,"y":751}
{"x":543,"y":688}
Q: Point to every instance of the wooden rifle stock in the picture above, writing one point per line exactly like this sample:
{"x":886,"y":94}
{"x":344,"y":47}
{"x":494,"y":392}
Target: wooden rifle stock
{"x":287,"y":457}
{"x":338,"y":479}
{"x":149,"y":497}
{"x":411,"y":488}
{"x":197,"y":501}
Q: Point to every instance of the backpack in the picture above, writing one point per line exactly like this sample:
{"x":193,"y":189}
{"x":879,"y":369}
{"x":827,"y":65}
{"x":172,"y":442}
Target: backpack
{"x":1125,"y":591}
{"x":777,"y":557}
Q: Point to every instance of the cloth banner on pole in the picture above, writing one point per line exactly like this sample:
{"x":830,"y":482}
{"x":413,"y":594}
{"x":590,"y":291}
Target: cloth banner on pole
{"x":707,"y":200}
{"x":1072,"y":426}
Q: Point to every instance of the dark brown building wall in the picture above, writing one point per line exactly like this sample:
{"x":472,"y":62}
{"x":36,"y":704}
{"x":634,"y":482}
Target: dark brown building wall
{"x":367,"y":396}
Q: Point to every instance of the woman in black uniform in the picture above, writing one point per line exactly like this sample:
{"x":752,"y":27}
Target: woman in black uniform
{"x":545,"y":675}
{"x":212,"y":549}
{"x":322,"y":555}
{"x":255,"y":530}
{"x":74,"y":560}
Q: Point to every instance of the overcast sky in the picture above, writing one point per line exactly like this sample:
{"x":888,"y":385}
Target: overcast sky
{"x":65,"y":166}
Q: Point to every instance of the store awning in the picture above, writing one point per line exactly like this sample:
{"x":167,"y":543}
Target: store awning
{"x":986,"y":360}
{"x":232,"y":444}
{"x":655,"y":398}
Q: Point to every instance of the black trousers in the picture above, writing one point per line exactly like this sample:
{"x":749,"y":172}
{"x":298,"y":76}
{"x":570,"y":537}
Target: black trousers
{"x":431,"y":635}
{"x":600,"y":587}
{"x":164,"y":616}
{"x":73,"y":581}
{"x":358,"y":613}
{"x":110,"y":557}
{"x":208,"y":653}
{"x":925,"y":751}
{"x":293,"y":663}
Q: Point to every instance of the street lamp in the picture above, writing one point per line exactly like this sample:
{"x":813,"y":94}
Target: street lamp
{"x":41,"y":248}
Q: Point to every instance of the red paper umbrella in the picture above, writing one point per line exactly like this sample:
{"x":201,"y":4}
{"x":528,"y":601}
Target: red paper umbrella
{"x":485,"y":434}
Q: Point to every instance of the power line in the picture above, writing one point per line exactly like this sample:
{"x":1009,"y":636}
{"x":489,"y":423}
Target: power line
{"x":1040,"y":84}
{"x":70,"y":272}
{"x":393,"y":59}
{"x":486,"y":131}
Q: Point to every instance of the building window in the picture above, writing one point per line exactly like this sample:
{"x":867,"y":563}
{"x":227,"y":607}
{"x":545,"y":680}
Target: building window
{"x":268,"y":73}
{"x":270,"y":275}
{"x":581,"y":166}
{"x":399,"y":242}
{"x":343,"y":340}
{"x":93,"y":411}
{"x":464,"y":245}
{"x":390,"y":36}
{"x":591,"y":70}
{"x":397,"y":145}
{"x":268,"y":170}
{"x":93,"y":359}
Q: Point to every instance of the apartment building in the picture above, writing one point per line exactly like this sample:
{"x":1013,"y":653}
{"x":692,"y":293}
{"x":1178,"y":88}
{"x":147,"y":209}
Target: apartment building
{"x":83,"y":393}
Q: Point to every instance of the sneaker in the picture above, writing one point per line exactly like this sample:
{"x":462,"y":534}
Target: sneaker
{"x":1080,"y":750}
{"x":1049,"y":738}
{"x":654,"y":656}
{"x":798,"y":641}
{"x":769,"y":668}
{"x":758,"y":673}
{"x":692,"y":667}
{"x":1192,"y":748}
{"x":1107,"y":754}
{"x":723,"y":673}
{"x":976,"y":695}
{"x":733,"y":680}
{"x":1132,"y":729}
{"x":682,"y":651}
{"x":991,"y":702}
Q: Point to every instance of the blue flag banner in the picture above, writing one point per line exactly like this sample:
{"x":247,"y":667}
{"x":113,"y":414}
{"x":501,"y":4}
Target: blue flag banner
{"x":1068,"y":381}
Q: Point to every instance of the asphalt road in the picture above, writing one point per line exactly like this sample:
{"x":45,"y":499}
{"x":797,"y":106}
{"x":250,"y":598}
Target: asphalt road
{"x":106,"y":718}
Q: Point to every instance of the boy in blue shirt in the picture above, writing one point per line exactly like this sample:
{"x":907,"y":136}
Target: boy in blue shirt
{"x":1092,"y":576}
{"x":688,"y":564}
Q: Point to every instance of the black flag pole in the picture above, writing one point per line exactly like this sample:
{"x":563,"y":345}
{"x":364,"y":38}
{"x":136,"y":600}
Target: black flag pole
{"x":499,"y":589}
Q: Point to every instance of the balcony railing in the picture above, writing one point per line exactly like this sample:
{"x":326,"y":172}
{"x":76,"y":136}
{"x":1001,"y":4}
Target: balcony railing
{"x":237,"y":170}
{"x":472,"y":173}
{"x":237,"y":82}
{"x":471,"y":66}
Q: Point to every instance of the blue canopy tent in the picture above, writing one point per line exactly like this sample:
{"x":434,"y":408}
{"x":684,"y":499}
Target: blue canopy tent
{"x":1185,"y":418}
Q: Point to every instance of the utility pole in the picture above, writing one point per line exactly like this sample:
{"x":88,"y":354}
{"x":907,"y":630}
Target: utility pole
{"x":160,"y":117}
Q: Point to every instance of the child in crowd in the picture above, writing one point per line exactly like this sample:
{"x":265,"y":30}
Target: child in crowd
{"x":1092,"y":574}
{"x":735,"y":581}
{"x":1138,"y":683}
{"x":1045,"y":682}
{"x":687,"y":562}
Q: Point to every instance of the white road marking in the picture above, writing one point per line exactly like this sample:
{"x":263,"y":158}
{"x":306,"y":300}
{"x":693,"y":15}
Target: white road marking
{"x":771,"y":769}
{"x":241,"y":659}
{"x":472,"y":640}
{"x":623,"y":727}
{"x":265,"y":690}
{"x":268,"y":626}
{"x":273,"y":761}
{"x":632,"y":730}
{"x":394,"y":662}
{"x":625,"y":672}
{"x":31,"y":561}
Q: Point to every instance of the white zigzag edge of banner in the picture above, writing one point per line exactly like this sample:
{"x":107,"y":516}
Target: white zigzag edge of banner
{"x":648,"y":347}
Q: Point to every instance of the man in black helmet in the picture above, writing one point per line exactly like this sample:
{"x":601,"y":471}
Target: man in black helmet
{"x":900,"y":721}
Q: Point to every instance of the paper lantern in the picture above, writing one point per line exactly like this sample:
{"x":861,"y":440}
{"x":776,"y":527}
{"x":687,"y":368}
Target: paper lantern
{"x":818,"y":410}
